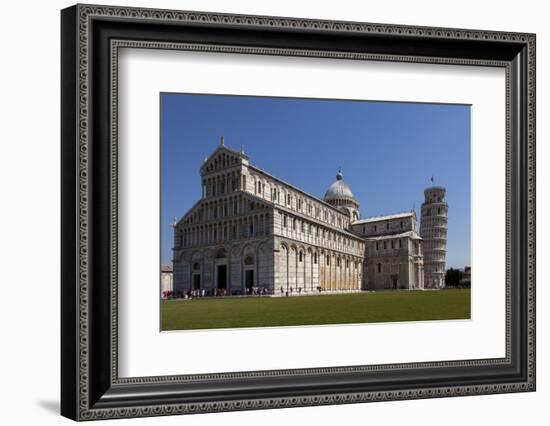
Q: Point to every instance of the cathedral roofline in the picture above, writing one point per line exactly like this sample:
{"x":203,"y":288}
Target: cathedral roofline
{"x":232,"y":151}
{"x":412,"y":234}
{"x":237,"y":191}
{"x":319,"y":222}
{"x":385,"y":217}
{"x":240,"y":154}
{"x":295,"y":188}
{"x":178,"y":221}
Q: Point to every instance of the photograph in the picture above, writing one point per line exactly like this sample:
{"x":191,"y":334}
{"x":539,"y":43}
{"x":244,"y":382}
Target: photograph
{"x":281,"y":212}
{"x":264,"y":209}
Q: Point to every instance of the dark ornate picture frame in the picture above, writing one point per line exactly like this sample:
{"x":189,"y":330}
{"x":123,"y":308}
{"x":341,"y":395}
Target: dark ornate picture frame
{"x":90,"y":38}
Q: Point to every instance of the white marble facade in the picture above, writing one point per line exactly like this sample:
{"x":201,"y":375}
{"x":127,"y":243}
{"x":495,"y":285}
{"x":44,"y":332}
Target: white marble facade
{"x":252,"y":231}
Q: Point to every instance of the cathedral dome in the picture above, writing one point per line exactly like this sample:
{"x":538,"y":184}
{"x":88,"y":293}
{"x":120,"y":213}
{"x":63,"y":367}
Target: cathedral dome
{"x":339,"y":190}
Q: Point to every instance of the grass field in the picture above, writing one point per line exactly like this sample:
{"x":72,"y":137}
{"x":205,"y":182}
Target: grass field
{"x":385,"y":306}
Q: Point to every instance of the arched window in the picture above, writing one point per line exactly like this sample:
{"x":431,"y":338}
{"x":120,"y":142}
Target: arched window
{"x":300,"y":257}
{"x":315,"y":258}
{"x":249,"y":260}
{"x":196,"y":266}
{"x":221,"y":252}
{"x":328,"y":259}
{"x":379,"y":267}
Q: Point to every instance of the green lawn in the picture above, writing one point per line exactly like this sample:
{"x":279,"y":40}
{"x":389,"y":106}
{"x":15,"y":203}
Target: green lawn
{"x":385,"y":306}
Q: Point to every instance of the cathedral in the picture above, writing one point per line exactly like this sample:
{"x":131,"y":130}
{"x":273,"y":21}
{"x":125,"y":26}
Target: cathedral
{"x":252,"y":232}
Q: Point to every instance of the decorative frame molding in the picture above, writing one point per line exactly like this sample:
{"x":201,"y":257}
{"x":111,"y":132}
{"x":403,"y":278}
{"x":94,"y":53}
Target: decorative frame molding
{"x":91,"y":37}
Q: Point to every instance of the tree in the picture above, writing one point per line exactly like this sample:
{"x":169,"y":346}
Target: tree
{"x":453,"y":277}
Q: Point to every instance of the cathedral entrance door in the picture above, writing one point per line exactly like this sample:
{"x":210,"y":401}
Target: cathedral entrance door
{"x":196,"y":281}
{"x":222,"y":277}
{"x":249,"y":278}
{"x":394,"y":281}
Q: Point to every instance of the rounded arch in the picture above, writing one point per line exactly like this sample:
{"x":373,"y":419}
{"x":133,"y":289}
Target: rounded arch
{"x":249,"y":249}
{"x":292,"y":268}
{"x":221,"y":253}
{"x":283,"y":260}
{"x":196,"y":255}
{"x":249,"y":268}
{"x":196,"y":262}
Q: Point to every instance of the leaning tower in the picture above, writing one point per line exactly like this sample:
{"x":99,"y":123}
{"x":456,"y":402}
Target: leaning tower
{"x":433,"y":230}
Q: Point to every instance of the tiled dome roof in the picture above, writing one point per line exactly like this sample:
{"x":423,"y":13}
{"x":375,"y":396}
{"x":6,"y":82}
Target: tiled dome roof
{"x":339,"y":190}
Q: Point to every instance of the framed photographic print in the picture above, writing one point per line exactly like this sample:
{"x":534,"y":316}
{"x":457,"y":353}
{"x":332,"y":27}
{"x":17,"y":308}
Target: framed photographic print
{"x":263,"y":212}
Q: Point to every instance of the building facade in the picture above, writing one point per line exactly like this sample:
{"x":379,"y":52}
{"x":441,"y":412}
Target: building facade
{"x":393,"y":255}
{"x":166,"y":281}
{"x":252,"y":231}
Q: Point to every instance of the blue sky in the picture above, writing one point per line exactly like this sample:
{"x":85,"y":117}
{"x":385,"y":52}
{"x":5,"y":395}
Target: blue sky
{"x":388,"y":152}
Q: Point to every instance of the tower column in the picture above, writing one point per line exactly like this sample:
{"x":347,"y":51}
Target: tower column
{"x":433,"y":230}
